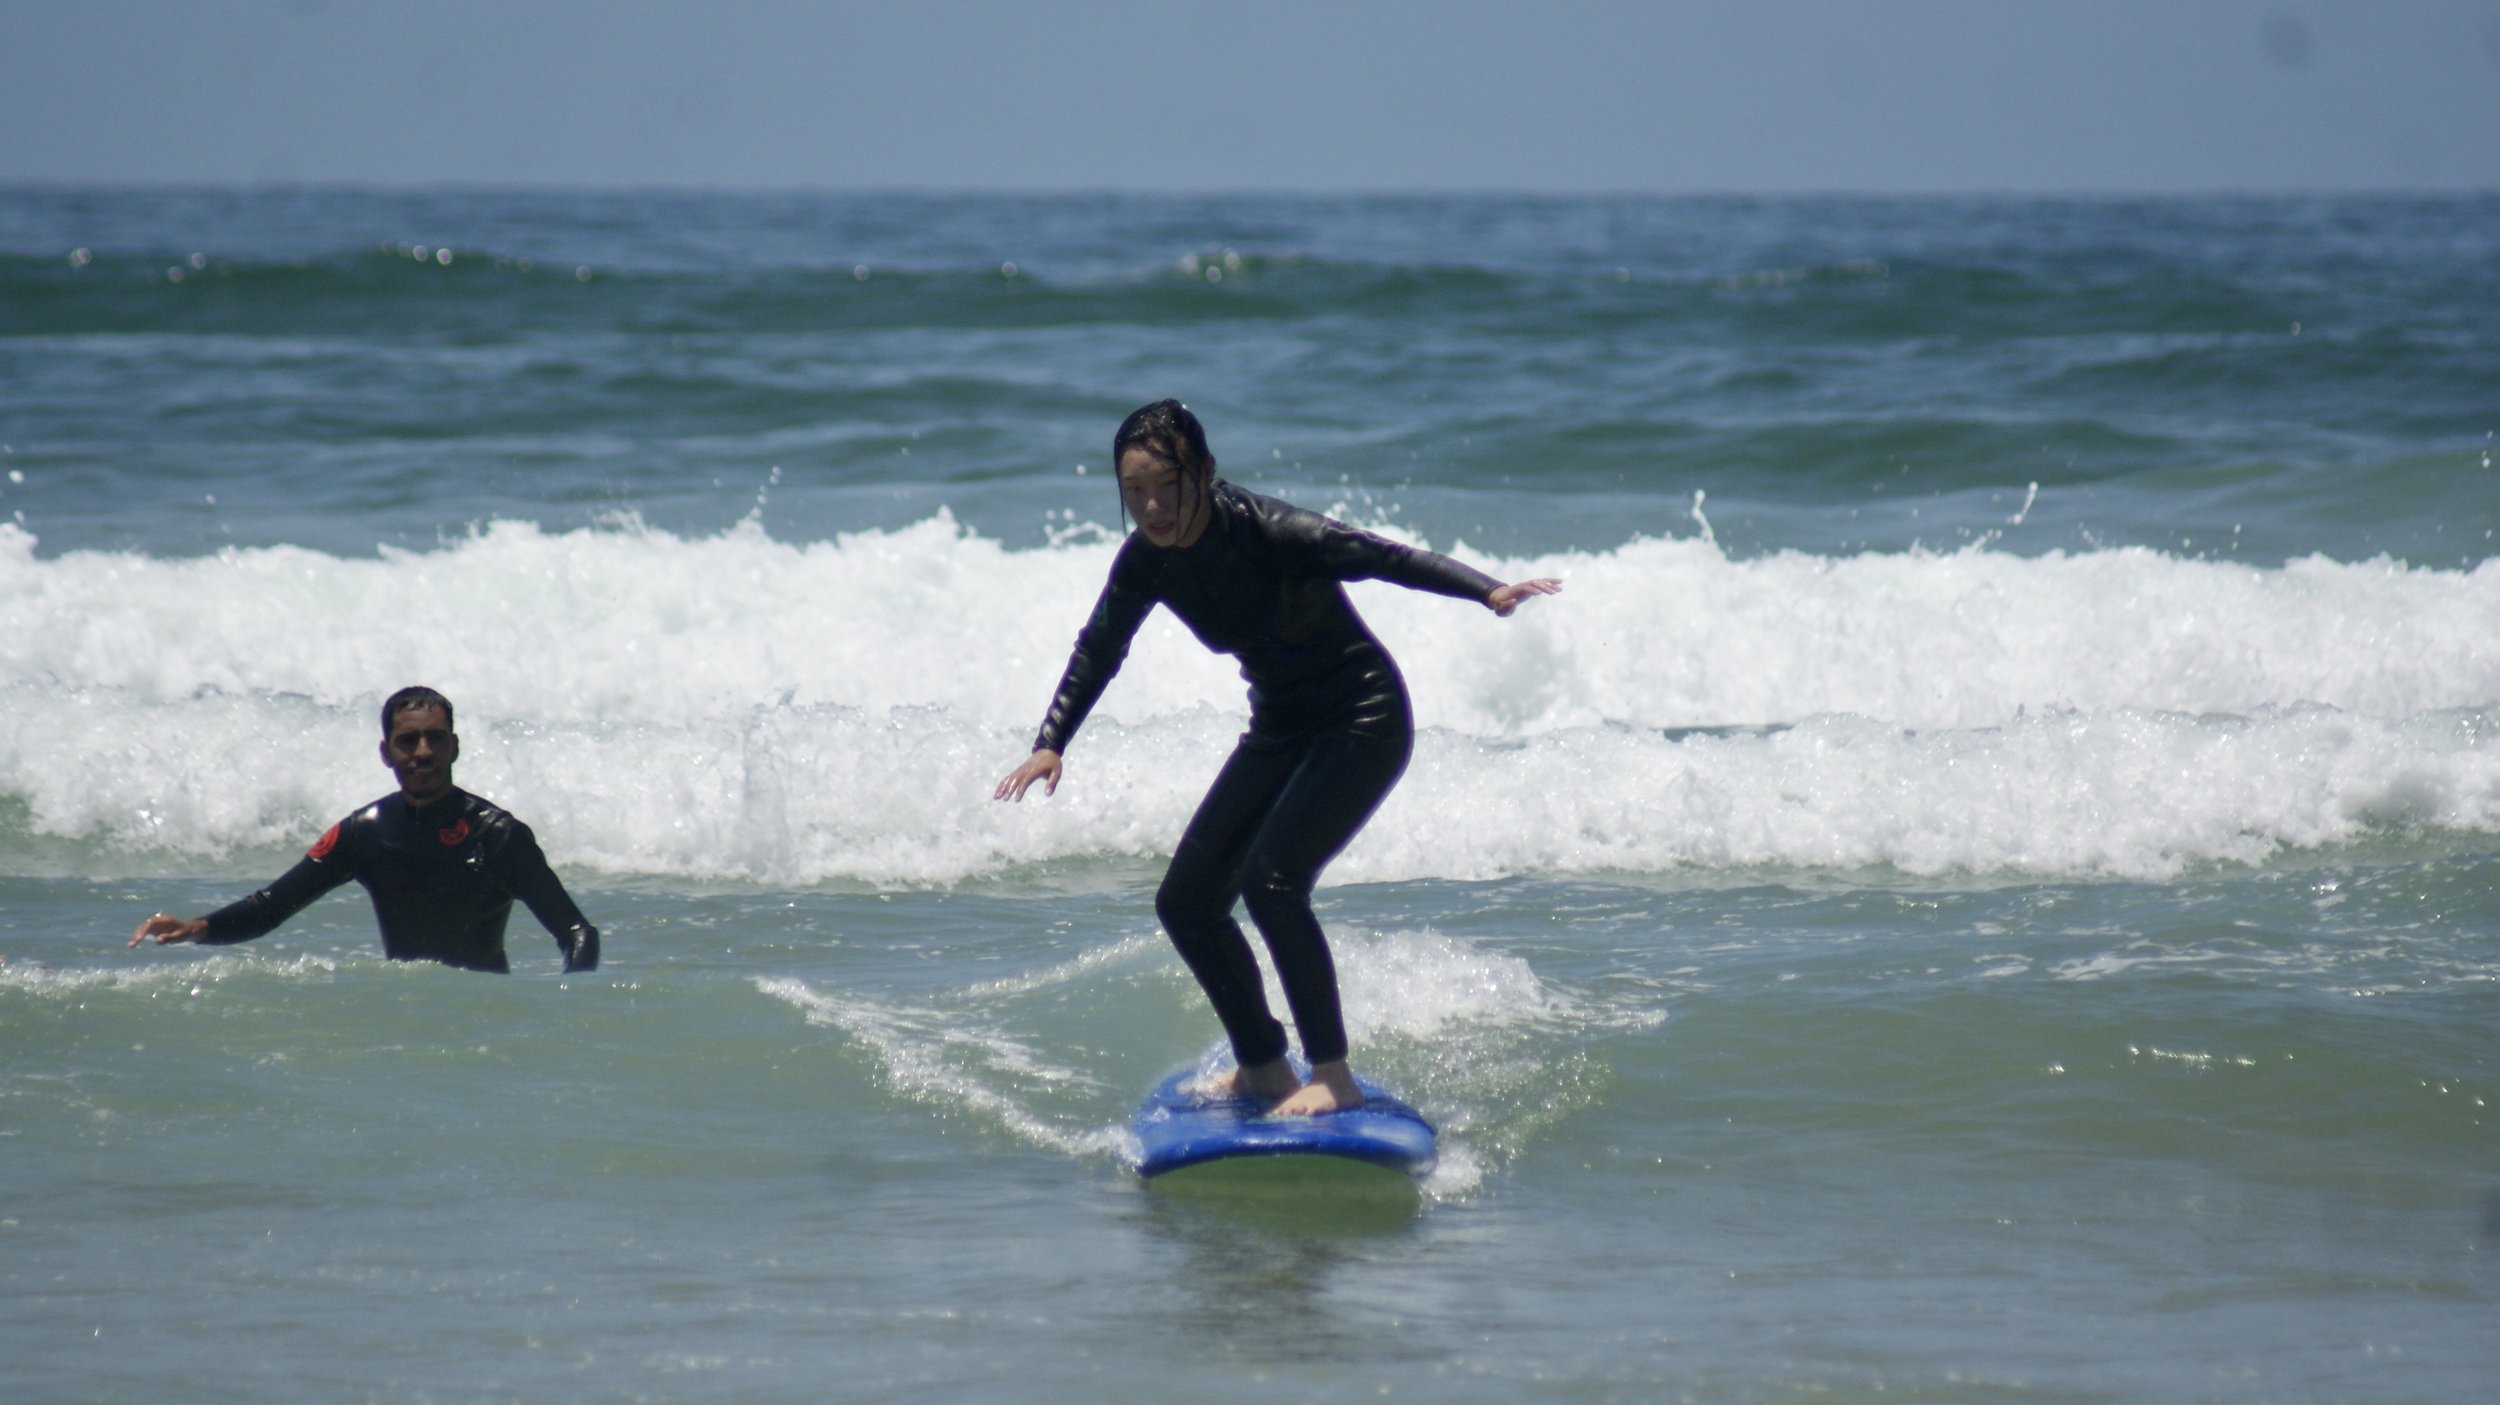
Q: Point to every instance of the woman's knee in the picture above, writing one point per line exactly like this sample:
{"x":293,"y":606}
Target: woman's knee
{"x":1272,"y":893}
{"x":1186,"y":904}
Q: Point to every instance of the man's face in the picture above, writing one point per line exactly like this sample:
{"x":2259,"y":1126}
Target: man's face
{"x":420,"y":750}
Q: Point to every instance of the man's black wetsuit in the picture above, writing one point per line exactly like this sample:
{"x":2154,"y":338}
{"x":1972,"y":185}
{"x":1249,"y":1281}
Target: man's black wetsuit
{"x":1330,"y":732}
{"x":442,"y":880}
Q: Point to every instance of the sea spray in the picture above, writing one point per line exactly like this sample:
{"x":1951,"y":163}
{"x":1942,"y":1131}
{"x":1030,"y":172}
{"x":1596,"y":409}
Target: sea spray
{"x":736,"y":707}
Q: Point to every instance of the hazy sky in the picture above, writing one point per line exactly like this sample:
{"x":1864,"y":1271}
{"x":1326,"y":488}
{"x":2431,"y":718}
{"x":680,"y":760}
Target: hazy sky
{"x":1565,"y":95}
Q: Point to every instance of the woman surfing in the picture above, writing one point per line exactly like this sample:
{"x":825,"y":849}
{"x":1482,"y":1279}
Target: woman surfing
{"x":1330,"y":729}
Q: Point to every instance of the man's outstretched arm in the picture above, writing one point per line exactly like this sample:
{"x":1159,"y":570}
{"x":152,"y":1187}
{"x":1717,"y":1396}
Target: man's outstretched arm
{"x":253,"y":916}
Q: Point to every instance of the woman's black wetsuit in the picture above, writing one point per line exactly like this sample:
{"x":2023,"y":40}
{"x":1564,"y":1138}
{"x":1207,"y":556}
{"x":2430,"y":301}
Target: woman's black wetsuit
{"x":1330,"y":732}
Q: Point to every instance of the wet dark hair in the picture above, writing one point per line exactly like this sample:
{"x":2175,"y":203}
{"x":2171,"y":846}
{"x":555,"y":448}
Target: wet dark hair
{"x":412,"y":697}
{"x":1167,"y":430}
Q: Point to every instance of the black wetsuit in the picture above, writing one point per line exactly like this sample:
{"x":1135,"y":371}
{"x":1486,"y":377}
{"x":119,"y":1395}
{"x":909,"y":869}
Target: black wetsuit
{"x":442,"y":881}
{"x":1330,"y":732}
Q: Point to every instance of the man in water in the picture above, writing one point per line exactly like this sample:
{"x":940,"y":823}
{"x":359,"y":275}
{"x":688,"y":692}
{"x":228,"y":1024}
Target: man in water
{"x":442,"y":865}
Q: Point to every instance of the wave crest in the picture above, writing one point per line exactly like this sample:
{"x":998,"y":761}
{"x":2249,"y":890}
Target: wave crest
{"x":738,"y":707}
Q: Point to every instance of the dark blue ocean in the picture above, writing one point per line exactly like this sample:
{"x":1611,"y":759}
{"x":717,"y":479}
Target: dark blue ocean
{"x":1984,"y":887}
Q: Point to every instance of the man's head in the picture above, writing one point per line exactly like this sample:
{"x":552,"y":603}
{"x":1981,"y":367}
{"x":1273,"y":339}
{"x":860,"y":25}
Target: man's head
{"x":418,"y":743}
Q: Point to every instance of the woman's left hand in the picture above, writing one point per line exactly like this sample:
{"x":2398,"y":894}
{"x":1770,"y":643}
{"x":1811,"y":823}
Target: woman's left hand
{"x":1505,"y":599}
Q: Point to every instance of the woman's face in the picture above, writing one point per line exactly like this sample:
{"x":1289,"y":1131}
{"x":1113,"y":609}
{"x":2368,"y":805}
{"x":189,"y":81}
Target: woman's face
{"x":1168,"y":501}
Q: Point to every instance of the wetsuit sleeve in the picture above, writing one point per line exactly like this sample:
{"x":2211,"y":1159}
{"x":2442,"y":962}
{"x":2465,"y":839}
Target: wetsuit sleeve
{"x":260,"y":914}
{"x":521,"y":866}
{"x":1349,"y":554}
{"x":1101,"y":647}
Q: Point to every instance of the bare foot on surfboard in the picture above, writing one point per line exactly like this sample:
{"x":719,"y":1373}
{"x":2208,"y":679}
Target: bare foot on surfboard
{"x":1331,"y":1089}
{"x":1266,"y":1082}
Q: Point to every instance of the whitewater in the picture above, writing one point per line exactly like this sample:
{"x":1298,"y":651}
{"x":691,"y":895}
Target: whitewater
{"x":734,"y":707}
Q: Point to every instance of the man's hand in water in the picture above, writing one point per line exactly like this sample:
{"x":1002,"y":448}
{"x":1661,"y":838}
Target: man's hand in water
{"x":1506,"y":598}
{"x":168,"y":929}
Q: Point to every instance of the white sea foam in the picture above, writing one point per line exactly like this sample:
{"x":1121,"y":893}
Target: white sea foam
{"x":736,"y":707}
{"x":1470,"y":1034}
{"x":1474,"y":1037}
{"x":941,"y":1058}
{"x":186,"y":979}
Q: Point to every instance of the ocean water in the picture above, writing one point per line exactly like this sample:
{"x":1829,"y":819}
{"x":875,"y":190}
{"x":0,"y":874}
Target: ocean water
{"x":1985,"y":887}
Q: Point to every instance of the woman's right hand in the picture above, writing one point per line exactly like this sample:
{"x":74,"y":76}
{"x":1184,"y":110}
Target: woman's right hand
{"x":1042,"y":765}
{"x":1506,"y":598}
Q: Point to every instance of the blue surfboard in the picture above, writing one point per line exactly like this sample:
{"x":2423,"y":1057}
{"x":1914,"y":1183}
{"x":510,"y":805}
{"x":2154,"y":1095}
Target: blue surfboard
{"x":1177,"y":1129}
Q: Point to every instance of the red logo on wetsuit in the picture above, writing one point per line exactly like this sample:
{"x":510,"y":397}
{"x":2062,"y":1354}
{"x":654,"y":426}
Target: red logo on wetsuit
{"x":453,"y":835}
{"x":321,"y":847}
